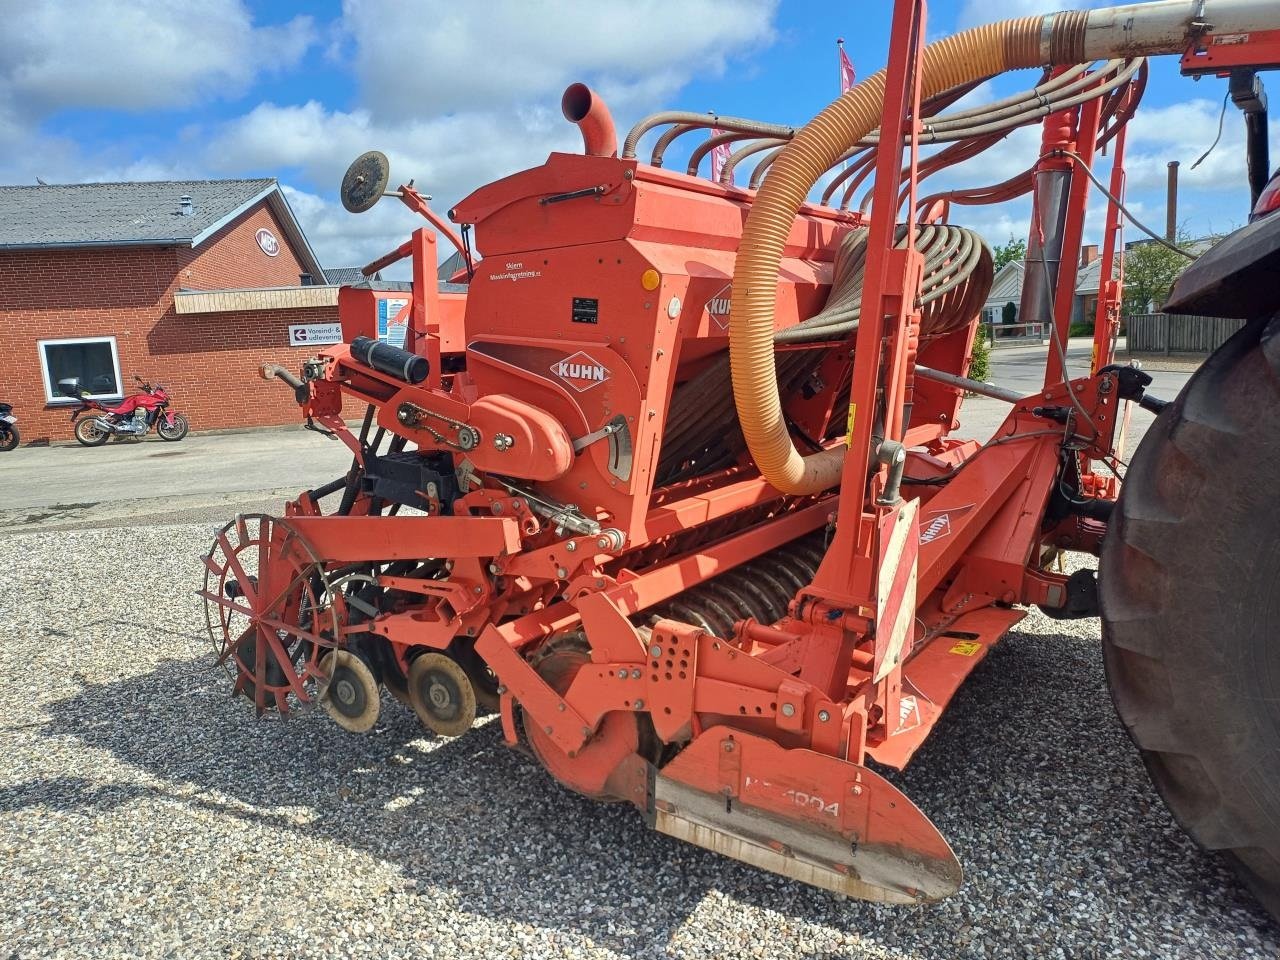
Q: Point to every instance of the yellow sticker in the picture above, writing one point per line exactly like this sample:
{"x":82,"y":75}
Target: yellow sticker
{"x":853,"y":416}
{"x":966,"y":648}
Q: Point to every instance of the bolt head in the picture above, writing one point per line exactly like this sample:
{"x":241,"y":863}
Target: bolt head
{"x":728,"y":746}
{"x":571,"y":546}
{"x":639,"y":704}
{"x":635,"y":674}
{"x":788,"y":710}
{"x":622,"y":674}
{"x":603,"y":543}
{"x":823,"y":716}
{"x":562,"y":573}
{"x":655,"y":650}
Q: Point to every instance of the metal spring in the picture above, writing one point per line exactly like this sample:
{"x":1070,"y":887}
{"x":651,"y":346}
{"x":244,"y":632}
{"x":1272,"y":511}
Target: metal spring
{"x":761,"y":588}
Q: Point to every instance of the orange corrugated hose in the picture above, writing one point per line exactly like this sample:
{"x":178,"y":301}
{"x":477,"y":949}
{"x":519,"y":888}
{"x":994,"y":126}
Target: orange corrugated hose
{"x":972,"y":55}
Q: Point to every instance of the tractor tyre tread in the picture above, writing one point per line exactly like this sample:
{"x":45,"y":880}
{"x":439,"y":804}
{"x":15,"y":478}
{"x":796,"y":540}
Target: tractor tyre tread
{"x":1185,"y":589}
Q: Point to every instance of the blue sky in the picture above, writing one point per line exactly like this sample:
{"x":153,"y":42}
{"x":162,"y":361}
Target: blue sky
{"x":459,"y":94}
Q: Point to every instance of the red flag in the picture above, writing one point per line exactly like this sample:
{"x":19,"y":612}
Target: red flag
{"x":719,"y":156}
{"x":847,"y":76}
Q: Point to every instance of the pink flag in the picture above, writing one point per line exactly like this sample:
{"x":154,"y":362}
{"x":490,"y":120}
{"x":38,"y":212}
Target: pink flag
{"x":847,"y":76}
{"x":719,"y":156}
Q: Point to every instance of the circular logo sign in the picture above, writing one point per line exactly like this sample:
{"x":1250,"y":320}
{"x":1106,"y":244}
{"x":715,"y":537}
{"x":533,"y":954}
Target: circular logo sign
{"x":268,"y":242}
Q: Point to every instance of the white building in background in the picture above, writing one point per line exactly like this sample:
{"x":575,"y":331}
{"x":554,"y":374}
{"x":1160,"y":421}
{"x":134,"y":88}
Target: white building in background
{"x":1006,"y":288}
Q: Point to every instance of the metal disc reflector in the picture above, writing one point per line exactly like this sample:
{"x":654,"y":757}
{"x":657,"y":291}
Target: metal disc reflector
{"x":365,"y":181}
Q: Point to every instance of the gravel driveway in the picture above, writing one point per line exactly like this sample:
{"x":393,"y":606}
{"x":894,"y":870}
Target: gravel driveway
{"x":144,"y":813}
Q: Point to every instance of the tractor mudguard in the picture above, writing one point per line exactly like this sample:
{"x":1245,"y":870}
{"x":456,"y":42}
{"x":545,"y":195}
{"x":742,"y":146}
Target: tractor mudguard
{"x":1235,"y":278}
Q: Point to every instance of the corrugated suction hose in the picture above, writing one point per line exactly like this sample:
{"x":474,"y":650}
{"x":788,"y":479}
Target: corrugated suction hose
{"x":973,"y":55}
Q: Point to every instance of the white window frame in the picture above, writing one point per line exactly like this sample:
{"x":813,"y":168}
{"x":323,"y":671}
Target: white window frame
{"x":57,"y":399}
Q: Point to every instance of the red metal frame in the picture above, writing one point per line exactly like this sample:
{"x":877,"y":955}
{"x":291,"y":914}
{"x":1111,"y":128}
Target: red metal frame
{"x":594,"y":309}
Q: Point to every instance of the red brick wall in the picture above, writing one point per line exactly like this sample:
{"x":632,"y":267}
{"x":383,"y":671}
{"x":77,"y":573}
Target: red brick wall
{"x":231,"y":258}
{"x":209,"y":362}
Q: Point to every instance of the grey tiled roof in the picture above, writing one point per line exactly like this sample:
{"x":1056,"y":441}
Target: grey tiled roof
{"x":108,"y":213}
{"x":339,"y":276}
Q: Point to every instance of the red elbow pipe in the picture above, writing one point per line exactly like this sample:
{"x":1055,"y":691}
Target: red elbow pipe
{"x":581,"y":105}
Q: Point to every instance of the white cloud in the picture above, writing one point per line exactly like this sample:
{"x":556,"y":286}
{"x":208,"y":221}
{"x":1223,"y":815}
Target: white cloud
{"x":447,"y":157}
{"x":976,"y":13}
{"x":473,"y":98}
{"x":138,"y":55}
{"x":430,"y":57}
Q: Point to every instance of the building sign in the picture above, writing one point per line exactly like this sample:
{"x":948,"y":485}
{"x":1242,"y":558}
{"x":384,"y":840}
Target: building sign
{"x":311,"y":334}
{"x":268,"y":242}
{"x":388,"y":329}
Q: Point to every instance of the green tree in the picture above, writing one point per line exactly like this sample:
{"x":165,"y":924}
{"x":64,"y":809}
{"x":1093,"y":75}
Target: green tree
{"x":1009,"y":252}
{"x":980,"y":355}
{"x":1149,"y":271}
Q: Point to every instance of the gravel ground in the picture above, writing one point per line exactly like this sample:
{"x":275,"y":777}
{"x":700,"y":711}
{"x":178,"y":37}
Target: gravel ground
{"x":147,"y":814}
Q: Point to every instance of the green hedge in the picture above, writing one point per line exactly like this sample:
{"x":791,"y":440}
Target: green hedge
{"x":980,"y":364}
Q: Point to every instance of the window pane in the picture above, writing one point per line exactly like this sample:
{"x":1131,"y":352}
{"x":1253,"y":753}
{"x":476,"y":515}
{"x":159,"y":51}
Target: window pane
{"x":91,"y":362}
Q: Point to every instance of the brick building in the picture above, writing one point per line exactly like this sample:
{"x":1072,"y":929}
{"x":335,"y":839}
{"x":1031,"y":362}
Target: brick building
{"x":193,"y":284}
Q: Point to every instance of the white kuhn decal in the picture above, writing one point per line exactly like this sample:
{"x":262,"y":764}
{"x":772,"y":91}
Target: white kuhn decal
{"x":935,"y":528}
{"x":580,"y":371}
{"x":718,"y":306}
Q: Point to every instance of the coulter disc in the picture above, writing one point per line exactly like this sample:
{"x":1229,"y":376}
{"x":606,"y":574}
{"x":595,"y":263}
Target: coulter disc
{"x":441,"y":695}
{"x":350,"y":694}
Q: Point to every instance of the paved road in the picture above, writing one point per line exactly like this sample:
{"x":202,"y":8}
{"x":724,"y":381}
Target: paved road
{"x":206,"y":476}
{"x":211,"y":476}
{"x":1022,"y":369}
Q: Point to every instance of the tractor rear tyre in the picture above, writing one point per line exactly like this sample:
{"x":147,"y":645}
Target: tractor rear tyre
{"x":1190,"y":596}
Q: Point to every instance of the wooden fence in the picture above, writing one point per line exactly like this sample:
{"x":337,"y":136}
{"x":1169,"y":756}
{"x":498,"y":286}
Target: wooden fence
{"x":1172,"y":333}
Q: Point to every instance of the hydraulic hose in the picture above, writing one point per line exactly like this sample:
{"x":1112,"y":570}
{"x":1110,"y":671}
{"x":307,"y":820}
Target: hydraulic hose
{"x":977,"y":54}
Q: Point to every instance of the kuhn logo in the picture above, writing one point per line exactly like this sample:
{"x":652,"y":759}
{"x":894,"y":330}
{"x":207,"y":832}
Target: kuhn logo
{"x":718,"y":306}
{"x":936,"y":529}
{"x":580,"y":371}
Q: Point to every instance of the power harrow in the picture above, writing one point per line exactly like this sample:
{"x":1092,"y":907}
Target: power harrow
{"x":674,"y":488}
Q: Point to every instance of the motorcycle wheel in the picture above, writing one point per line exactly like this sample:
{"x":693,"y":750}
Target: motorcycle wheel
{"x":175,"y":431}
{"x":9,"y":438}
{"x":89,"y":434}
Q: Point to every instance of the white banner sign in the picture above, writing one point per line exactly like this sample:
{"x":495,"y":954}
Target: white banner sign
{"x":310,"y":334}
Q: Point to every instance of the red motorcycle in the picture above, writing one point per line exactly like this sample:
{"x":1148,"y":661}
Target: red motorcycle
{"x":132,"y":417}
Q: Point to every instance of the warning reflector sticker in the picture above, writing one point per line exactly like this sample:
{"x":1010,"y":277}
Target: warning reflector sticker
{"x":966,"y":648}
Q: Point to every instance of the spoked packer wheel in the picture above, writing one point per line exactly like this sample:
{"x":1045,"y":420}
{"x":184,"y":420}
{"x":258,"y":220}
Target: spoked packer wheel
{"x":271,"y":612}
{"x":1190,"y":593}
